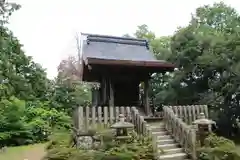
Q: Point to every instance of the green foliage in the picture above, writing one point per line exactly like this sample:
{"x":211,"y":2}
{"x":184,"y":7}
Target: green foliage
{"x":7,"y":8}
{"x":218,"y":148}
{"x":31,"y":106}
{"x":216,"y":141}
{"x":135,"y":148}
{"x":21,"y":124}
{"x":206,"y":55}
{"x":66,"y":97}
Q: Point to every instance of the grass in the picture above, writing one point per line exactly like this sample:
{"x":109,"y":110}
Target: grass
{"x":31,"y":152}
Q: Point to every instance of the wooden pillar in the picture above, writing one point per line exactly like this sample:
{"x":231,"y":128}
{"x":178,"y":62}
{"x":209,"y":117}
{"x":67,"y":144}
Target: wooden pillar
{"x":146,"y":98}
{"x":98,"y":96}
{"x":111,"y":93}
{"x":104,"y":91}
{"x":95,"y":96}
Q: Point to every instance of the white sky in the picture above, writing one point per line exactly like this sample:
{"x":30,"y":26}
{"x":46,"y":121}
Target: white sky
{"x":47,"y":28}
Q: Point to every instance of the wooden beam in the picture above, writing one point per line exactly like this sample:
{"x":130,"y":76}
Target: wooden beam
{"x":103,"y":91}
{"x":111,"y":92}
{"x":146,"y":97}
{"x":95,"y":98}
{"x":156,"y":63}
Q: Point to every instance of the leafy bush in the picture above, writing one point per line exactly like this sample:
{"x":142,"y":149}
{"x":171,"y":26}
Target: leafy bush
{"x":21,"y":124}
{"x":135,"y":148}
{"x":218,"y":147}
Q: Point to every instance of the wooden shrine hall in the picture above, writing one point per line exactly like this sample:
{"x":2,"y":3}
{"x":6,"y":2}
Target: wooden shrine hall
{"x":120,"y":65}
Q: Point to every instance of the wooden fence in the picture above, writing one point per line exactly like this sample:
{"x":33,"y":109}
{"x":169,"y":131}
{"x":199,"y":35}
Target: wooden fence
{"x":189,"y":113}
{"x":94,"y":116}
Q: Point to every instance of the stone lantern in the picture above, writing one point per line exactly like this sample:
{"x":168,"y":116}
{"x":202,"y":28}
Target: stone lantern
{"x":204,"y":127}
{"x":122,"y":128}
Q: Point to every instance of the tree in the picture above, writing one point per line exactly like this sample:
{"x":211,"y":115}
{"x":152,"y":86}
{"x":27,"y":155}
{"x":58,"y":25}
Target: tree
{"x":160,"y":46}
{"x":206,"y":53}
{"x":6,"y":10}
{"x":26,"y":110}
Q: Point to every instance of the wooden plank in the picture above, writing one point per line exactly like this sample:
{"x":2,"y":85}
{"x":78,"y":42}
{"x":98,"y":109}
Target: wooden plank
{"x":198,"y":111}
{"x":137,"y":120}
{"x":117,"y":113}
{"x":99,"y":108}
{"x":175,"y":109}
{"x":194,"y":112}
{"x":189,"y":108}
{"x":180,"y":112}
{"x":133,"y":115}
{"x":87,"y":118}
{"x":144,"y":128}
{"x":122,"y":110}
{"x":201,"y":109}
{"x":128,"y":114}
{"x":105,"y":113}
{"x":185,"y":114}
{"x":141,"y":120}
{"x":94,"y":116}
{"x":111,"y":115}
{"x":206,"y":111}
{"x":80,"y":117}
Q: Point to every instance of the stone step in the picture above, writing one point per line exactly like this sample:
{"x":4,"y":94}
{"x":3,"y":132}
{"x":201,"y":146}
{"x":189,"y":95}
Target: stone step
{"x":176,"y":156}
{"x":167,"y":146}
{"x":164,"y":137}
{"x":171,"y":151}
{"x":158,"y":128}
{"x":160,"y":133}
{"x":156,"y":124}
{"x":153,"y":119}
{"x":165,"y":141}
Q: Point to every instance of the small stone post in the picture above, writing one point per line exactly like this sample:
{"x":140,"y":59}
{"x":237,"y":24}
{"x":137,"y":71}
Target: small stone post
{"x":204,"y":127}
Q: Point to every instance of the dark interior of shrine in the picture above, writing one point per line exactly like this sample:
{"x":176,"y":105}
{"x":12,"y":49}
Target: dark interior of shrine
{"x":125,"y":81}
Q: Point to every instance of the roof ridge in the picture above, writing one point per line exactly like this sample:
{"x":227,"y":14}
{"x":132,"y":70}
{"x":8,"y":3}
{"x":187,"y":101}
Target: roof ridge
{"x":115,"y":37}
{"x":119,"y":40}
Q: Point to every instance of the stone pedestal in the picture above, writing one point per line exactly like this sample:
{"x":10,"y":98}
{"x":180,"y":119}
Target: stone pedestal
{"x":122,"y":128}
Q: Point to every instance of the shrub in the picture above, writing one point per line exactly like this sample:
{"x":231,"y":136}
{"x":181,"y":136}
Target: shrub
{"x":21,"y":123}
{"x":135,"y":148}
{"x":218,"y":147}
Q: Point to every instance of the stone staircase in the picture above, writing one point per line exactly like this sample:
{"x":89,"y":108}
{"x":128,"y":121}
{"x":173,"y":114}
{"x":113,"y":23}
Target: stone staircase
{"x":167,"y":148}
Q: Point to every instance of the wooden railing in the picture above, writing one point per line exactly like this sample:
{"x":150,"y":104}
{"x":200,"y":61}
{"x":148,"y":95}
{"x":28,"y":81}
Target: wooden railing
{"x":142,"y":128}
{"x":140,"y":124}
{"x":190,"y":113}
{"x":183,"y":133}
{"x":87,"y":117}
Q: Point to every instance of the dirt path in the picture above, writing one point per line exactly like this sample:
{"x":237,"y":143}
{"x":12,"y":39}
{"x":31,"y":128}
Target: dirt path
{"x":31,"y":152}
{"x":35,"y":153}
